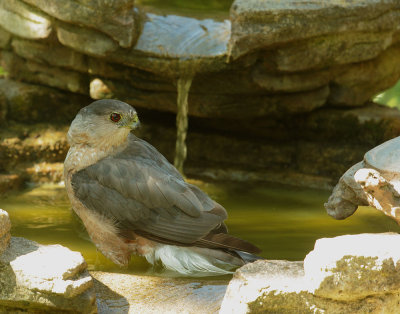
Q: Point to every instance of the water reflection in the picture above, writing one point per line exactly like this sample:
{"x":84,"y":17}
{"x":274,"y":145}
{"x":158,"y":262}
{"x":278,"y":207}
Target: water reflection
{"x":283,"y":221}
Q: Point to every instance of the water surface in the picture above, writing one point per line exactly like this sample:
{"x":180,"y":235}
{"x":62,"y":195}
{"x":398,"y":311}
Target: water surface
{"x":283,"y":221}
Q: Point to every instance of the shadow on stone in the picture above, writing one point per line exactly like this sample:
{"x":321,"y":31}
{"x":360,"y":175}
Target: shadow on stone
{"x":109,"y":300}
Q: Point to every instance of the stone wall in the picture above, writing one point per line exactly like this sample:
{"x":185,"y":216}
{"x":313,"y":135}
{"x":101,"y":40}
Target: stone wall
{"x":285,"y":87}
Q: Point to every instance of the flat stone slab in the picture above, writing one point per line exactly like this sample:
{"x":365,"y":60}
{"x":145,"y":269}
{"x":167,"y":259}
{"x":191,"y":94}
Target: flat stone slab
{"x":124,"y":293}
{"x":36,"y":277}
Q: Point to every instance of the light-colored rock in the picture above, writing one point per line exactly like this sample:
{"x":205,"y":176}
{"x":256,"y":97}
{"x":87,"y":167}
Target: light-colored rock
{"x":115,"y":18}
{"x":5,"y":38}
{"x":266,"y":23}
{"x":5,"y":226}
{"x":34,"y":276}
{"x":124,"y":293}
{"x":249,"y":280}
{"x":330,"y":50}
{"x":50,"y":54}
{"x":346,"y":274}
{"x":23,"y":20}
{"x":375,"y":181}
{"x":174,"y":36}
{"x":174,"y":45}
{"x":84,"y":40}
{"x":352,"y":267}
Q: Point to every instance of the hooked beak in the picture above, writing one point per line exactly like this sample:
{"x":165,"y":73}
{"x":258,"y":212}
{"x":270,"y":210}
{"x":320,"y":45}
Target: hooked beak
{"x":135,"y":123}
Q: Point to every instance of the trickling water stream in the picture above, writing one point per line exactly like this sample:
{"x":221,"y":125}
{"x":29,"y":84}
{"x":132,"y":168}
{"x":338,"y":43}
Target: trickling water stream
{"x":183,"y":87}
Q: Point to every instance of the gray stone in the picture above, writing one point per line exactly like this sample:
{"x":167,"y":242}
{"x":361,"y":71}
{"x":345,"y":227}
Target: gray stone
{"x":251,"y":280}
{"x":5,"y":226}
{"x":174,"y":46}
{"x":291,"y":82}
{"x":23,"y":20}
{"x":85,"y":40}
{"x":347,"y":274}
{"x":44,"y":278}
{"x":224,"y":106}
{"x":5,"y":38}
{"x":260,"y":24}
{"x":34,"y":72}
{"x":359,"y":82}
{"x":50,"y":53}
{"x":174,"y":36}
{"x":125,"y":293}
{"x":115,"y":18}
{"x":330,"y":50}
{"x":29,"y":103}
{"x":374,"y":182}
{"x":353,"y":267}
{"x":346,"y":196}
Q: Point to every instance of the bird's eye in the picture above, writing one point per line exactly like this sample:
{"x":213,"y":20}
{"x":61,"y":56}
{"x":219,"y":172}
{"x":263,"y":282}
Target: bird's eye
{"x":115,"y":117}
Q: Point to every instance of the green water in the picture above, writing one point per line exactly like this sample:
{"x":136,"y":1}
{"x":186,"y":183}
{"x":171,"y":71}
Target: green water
{"x":283,"y":221}
{"x":194,"y":8}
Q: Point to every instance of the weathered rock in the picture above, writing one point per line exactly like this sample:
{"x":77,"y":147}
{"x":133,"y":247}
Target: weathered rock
{"x":374,"y":182}
{"x":115,"y":18}
{"x":34,"y":72}
{"x":5,"y":38}
{"x":36,"y":103}
{"x":346,"y":274}
{"x":226,"y":106}
{"x":329,"y":50}
{"x":125,"y":293}
{"x":353,"y":267}
{"x":252,"y":279}
{"x":87,"y":41}
{"x":261,"y":24}
{"x":23,"y":20}
{"x":361,"y":81}
{"x":291,"y":82}
{"x":5,"y":226}
{"x":50,"y":54}
{"x":48,"y":278}
{"x":174,"y":36}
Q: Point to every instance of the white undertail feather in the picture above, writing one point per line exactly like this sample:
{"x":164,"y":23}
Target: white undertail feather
{"x":186,"y":261}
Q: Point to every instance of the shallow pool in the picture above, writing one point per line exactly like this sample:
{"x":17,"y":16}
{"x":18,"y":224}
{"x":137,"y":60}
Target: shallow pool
{"x":283,"y":221}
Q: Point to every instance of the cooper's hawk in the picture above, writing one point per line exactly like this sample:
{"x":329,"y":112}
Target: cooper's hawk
{"x":133,"y":201}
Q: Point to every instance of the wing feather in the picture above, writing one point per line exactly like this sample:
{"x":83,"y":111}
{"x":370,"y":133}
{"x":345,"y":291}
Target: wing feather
{"x":141,"y":192}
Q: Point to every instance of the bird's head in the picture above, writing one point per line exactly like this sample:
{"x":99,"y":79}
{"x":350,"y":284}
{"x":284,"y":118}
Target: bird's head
{"x":103,"y":122}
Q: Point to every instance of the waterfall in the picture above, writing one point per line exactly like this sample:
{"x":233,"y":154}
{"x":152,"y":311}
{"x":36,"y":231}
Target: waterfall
{"x":183,"y":87}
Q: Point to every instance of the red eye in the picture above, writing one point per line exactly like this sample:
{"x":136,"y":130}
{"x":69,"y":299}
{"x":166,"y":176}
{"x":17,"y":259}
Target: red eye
{"x":115,"y":117}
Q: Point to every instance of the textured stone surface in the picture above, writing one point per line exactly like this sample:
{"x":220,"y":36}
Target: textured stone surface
{"x":345,"y":274}
{"x":353,"y":267}
{"x":86,"y":41}
{"x":23,"y":20}
{"x":44,"y":278}
{"x":51,"y":54}
{"x":5,"y":226}
{"x":4,"y":38}
{"x":174,"y":36}
{"x":37,"y":103}
{"x":249,"y":280}
{"x":115,"y":18}
{"x":361,"y":81}
{"x":374,"y":182}
{"x":124,"y":293}
{"x":35,"y":72}
{"x":265,"y":23}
